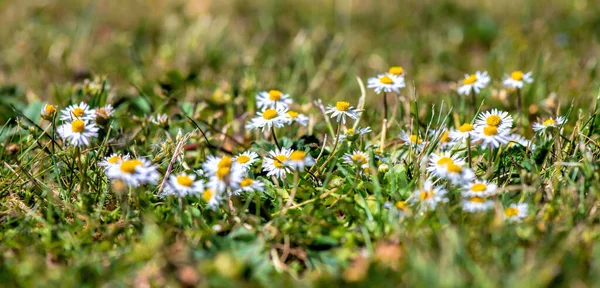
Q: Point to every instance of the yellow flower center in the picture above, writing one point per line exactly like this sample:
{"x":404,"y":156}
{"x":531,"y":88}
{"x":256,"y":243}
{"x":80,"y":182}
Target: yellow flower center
{"x":414,"y":139}
{"x":477,"y":200}
{"x":549,"y":122}
{"x":279,"y":160}
{"x":242,"y":159}
{"x":77,"y":126}
{"x":50,"y":109}
{"x":207,"y":194}
{"x":349,"y":131}
{"x":223,"y":172}
{"x":274,"y":95}
{"x":511,"y":212}
{"x":246,"y":182}
{"x":425,"y":194}
{"x":466,"y":128}
{"x":386,"y":80}
{"x":359,"y":158}
{"x":102,"y":112}
{"x":470,"y":80}
{"x":401,"y":205}
{"x":493,"y":120}
{"x":445,"y":161}
{"x":130,"y":165}
{"x":225,"y":162}
{"x":478,"y":187}
{"x":298,"y":155}
{"x":454,"y":168}
{"x":490,"y":130}
{"x":269,"y":114}
{"x":78,"y":112}
{"x":185,"y":180}
{"x":293,"y":114}
{"x":517,"y":75}
{"x":396,"y":70}
{"x":114,"y":159}
{"x":445,"y":137}
{"x":342,"y":105}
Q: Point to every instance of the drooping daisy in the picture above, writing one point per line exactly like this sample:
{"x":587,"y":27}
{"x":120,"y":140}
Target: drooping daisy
{"x":477,"y":204}
{"x":351,"y":132}
{"x":249,"y":185}
{"x":515,"y":212}
{"x":517,"y":79}
{"x":479,"y":188}
{"x":134,"y":172}
{"x":548,"y":124}
{"x":211,"y":197}
{"x":446,"y":140}
{"x":246,"y":159}
{"x":396,"y":71}
{"x":386,"y":83}
{"x":299,"y":159}
{"x":112,"y":160}
{"x":357,"y":158}
{"x":160,"y":120}
{"x":268,"y":118}
{"x":463,"y":132}
{"x":516,"y":139}
{"x":438,"y":163}
{"x":104,"y":114}
{"x":459,"y":174}
{"x":497,"y":118}
{"x":341,"y":110}
{"x":182,"y":185}
{"x":474,"y":82}
{"x":80,"y":111}
{"x":429,"y":196}
{"x":274,"y":99}
{"x":491,"y":136}
{"x":78,"y":132}
{"x":276,"y":163}
{"x":48,"y":112}
{"x":293,"y":116}
{"x":412,"y":140}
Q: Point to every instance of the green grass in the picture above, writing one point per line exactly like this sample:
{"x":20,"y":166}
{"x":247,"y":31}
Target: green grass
{"x":62,"y":222}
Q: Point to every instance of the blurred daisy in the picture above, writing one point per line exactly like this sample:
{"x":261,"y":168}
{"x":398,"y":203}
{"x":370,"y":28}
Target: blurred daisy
{"x":358,"y":158}
{"x":477,"y":204}
{"x":268,"y":118}
{"x":491,"y":136}
{"x":458,"y":174}
{"x":226,"y":178}
{"x":246,"y":159}
{"x":112,"y":160}
{"x":48,"y":112}
{"x":78,"y":111}
{"x":78,"y":132}
{"x":464,"y":131}
{"x":401,"y":207}
{"x":517,"y":79}
{"x":396,"y":71}
{"x":474,"y":82}
{"x":276,"y":163}
{"x":249,"y":185}
{"x":160,"y":120}
{"x":438,"y":163}
{"x":182,"y":185}
{"x":497,"y":118}
{"x":386,"y":83}
{"x":351,"y":132}
{"x":104,"y":114}
{"x":299,"y":159}
{"x":446,"y":140}
{"x":273,"y":99}
{"x":548,"y":124}
{"x":213,"y":163}
{"x":134,"y":172}
{"x":517,"y":139}
{"x":341,"y":110}
{"x":516,"y":212}
{"x":479,"y":189}
{"x":429,"y":196}
{"x":293,"y":116}
{"x":411,"y":140}
{"x":211,"y":198}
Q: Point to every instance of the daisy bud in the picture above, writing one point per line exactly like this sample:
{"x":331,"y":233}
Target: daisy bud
{"x":48,"y":112}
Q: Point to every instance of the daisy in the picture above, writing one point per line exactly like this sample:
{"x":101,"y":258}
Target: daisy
{"x":299,"y":159}
{"x":516,"y":212}
{"x":78,"y":111}
{"x":246,"y":159}
{"x":479,"y":189}
{"x":273,"y":99}
{"x":78,"y":132}
{"x":396,"y":71}
{"x":438,"y":163}
{"x":351,"y":132}
{"x":518,"y":140}
{"x":474,"y":82}
{"x":213,"y":163}
{"x":104,"y":114}
{"x":401,"y":207}
{"x":445,"y":138}
{"x":249,"y":185}
{"x":268,"y":118}
{"x":491,"y":136}
{"x":134,"y":172}
{"x":386,"y":83}
{"x":341,"y":110}
{"x":227,"y":177}
{"x":112,"y":160}
{"x":48,"y":112}
{"x":293,"y":116}
{"x":517,"y":79}
{"x":477,"y":204}
{"x":358,"y":158}
{"x":211,"y":198}
{"x":276,"y":163}
{"x":412,"y":140}
{"x":160,"y":120}
{"x":429,"y":196}
{"x":497,"y":118}
{"x":182,"y":185}
{"x":458,"y":174}
{"x":548,"y":124}
{"x":463,"y":132}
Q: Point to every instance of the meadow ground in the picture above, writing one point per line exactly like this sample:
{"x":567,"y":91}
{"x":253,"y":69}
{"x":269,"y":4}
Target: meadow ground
{"x":198,"y":143}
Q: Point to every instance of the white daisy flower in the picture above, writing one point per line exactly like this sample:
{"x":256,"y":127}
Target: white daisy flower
{"x":358,"y":158}
{"x":458,"y":174}
{"x":429,"y":196}
{"x":341,"y":110}
{"x":548,"y":124}
{"x":112,"y":160}
{"x":182,"y":185}
{"x":497,"y":118}
{"x":273,"y":99}
{"x":299,"y":159}
{"x":246,"y":159}
{"x":412,"y":140}
{"x":293,"y":116}
{"x":401,"y":207}
{"x":227,"y":178}
{"x":80,"y":111}
{"x":104,"y":114}
{"x":276,"y":163}
{"x":517,"y":79}
{"x":396,"y":71}
{"x":446,"y":140}
{"x":268,"y":118}
{"x":474,"y":82}
{"x":134,"y":172}
{"x":386,"y":83}
{"x":516,"y":139}
{"x":249,"y":185}
{"x":213,"y":163}
{"x":48,"y":112}
{"x":438,"y":163}
{"x":516,"y":212}
{"x":477,"y":204}
{"x":212,"y":198}
{"x":160,"y":120}
{"x":78,"y":132}
{"x":351,"y":132}
{"x":491,"y":136}
{"x":479,"y":188}
{"x":463,"y":132}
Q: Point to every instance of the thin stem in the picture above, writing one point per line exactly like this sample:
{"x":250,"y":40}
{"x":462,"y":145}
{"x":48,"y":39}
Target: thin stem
{"x":337,"y":138}
{"x":520,"y":110}
{"x":275,"y":138}
{"x":385,"y":105}
{"x":474,"y":99}
{"x":469,"y":155}
{"x":293,"y":194}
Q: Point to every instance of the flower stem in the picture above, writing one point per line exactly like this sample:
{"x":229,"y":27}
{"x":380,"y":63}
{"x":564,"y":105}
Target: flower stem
{"x":337,"y":138}
{"x":385,"y":105}
{"x":520,"y":110}
{"x":275,"y":138}
{"x":469,"y":155}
